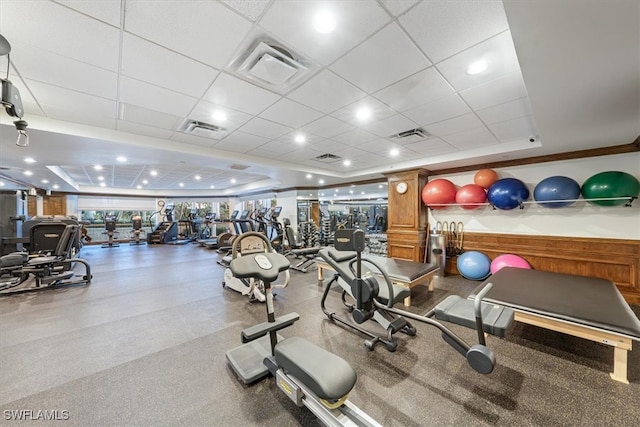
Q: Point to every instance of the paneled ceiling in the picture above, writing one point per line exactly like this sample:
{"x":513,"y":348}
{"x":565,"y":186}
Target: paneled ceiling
{"x":174,"y":89}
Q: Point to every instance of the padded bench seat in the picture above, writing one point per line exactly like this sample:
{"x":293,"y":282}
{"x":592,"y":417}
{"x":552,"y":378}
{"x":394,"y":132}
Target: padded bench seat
{"x":328,"y":376}
{"x":496,"y":319}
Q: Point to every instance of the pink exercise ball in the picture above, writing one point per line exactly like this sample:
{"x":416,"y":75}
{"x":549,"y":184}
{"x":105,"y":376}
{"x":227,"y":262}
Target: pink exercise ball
{"x":508,"y":260}
{"x":471,"y":196}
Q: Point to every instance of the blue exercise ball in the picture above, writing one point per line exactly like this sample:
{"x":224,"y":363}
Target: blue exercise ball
{"x":474,"y":265}
{"x":556,"y":191}
{"x":507,"y":193}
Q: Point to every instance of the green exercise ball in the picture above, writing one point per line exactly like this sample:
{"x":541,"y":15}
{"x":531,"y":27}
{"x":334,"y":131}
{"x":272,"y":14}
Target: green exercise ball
{"x":610,"y":184}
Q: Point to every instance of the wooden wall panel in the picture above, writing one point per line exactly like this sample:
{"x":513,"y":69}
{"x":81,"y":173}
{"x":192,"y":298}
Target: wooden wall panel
{"x":615,"y":259}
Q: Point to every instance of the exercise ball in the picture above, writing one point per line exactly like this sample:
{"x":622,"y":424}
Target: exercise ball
{"x":556,"y":191}
{"x":610,"y":184}
{"x":474,"y":265}
{"x":507,"y":193}
{"x":508,"y":260}
{"x":471,"y":196}
{"x":439,"y":192}
{"x":485,"y":178}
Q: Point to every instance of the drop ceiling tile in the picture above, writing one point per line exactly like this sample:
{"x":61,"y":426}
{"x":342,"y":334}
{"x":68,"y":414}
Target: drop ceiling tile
{"x":520,"y":129}
{"x":148,"y":62}
{"x":139,"y":129}
{"x":379,"y":111}
{"x":325,"y":145}
{"x":498,"y":52}
{"x":204,"y":30}
{"x":81,"y":37}
{"x":234,"y":93}
{"x":418,"y":89}
{"x":326,"y":92}
{"x":62,"y":71}
{"x":442,"y":29}
{"x":107,"y":11}
{"x":265,"y":128}
{"x":380,"y":146}
{"x":155,"y":98}
{"x":455,"y":125}
{"x":276,"y":147}
{"x":193,"y":139}
{"x":398,"y":7}
{"x":509,"y":110}
{"x":474,"y":138}
{"x":241,"y":142}
{"x":432,"y":147}
{"x":290,"y":113}
{"x":390,"y":126}
{"x":291,"y":21}
{"x":499,"y":91}
{"x":355,"y":137}
{"x":326,"y":127}
{"x":441,"y":109}
{"x":250,"y":9}
{"x":385,"y":58}
{"x":144,"y":116}
{"x":77,"y":107}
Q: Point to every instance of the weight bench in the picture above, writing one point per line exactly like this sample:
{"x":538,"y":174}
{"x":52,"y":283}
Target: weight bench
{"x":309,"y":255}
{"x":585,"y":307}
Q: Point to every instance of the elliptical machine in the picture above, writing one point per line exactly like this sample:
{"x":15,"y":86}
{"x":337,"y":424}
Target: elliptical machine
{"x":110,"y":231}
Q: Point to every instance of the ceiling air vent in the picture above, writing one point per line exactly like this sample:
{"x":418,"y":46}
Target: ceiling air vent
{"x":271,"y":64}
{"x":206,"y":130}
{"x":327,"y":158}
{"x":411,"y":135}
{"x":238,"y":167}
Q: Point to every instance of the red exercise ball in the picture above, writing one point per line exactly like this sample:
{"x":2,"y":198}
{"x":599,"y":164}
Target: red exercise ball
{"x":439,"y":192}
{"x":485,"y":178}
{"x":471,"y":196}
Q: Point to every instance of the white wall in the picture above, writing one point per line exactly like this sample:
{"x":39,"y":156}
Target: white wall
{"x":578,"y":220}
{"x":289,"y":202}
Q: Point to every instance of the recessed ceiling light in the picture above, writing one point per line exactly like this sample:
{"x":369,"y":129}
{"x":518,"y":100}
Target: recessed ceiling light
{"x":321,"y":181}
{"x":380,"y":186}
{"x":394,"y":152}
{"x":233,"y":180}
{"x":101,"y":178}
{"x":153,"y":172}
{"x":139,"y":187}
{"x":336,"y":190}
{"x":310,"y":194}
{"x":102,"y":184}
{"x":97,"y":167}
{"x":145,"y":182}
{"x":300,"y":138}
{"x":56,"y":186}
{"x":28,"y":173}
{"x":1,"y":184}
{"x":121,"y":159}
{"x":324,"y":22}
{"x":347,"y":163}
{"x":181,"y":184}
{"x":362,"y":192}
{"x":477,"y":67}
{"x":350,"y":191}
{"x":29,"y":160}
{"x":45,"y":181}
{"x":363,"y":113}
{"x":309,"y":176}
{"x":219,"y":115}
{"x":322,"y":194}
{"x":197,"y":177}
{"x":212,"y":186}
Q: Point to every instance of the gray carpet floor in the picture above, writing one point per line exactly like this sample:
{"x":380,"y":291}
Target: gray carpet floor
{"x":144,"y":345}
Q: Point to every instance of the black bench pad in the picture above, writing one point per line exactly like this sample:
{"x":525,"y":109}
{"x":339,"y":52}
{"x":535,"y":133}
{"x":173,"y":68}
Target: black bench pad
{"x":496,"y":319}
{"x":328,"y":376}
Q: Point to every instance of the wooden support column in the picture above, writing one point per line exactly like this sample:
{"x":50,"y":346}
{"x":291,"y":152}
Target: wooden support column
{"x":407,"y":216}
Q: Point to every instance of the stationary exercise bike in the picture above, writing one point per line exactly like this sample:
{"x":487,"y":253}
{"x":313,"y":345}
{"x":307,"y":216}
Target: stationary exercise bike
{"x":309,"y":375}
